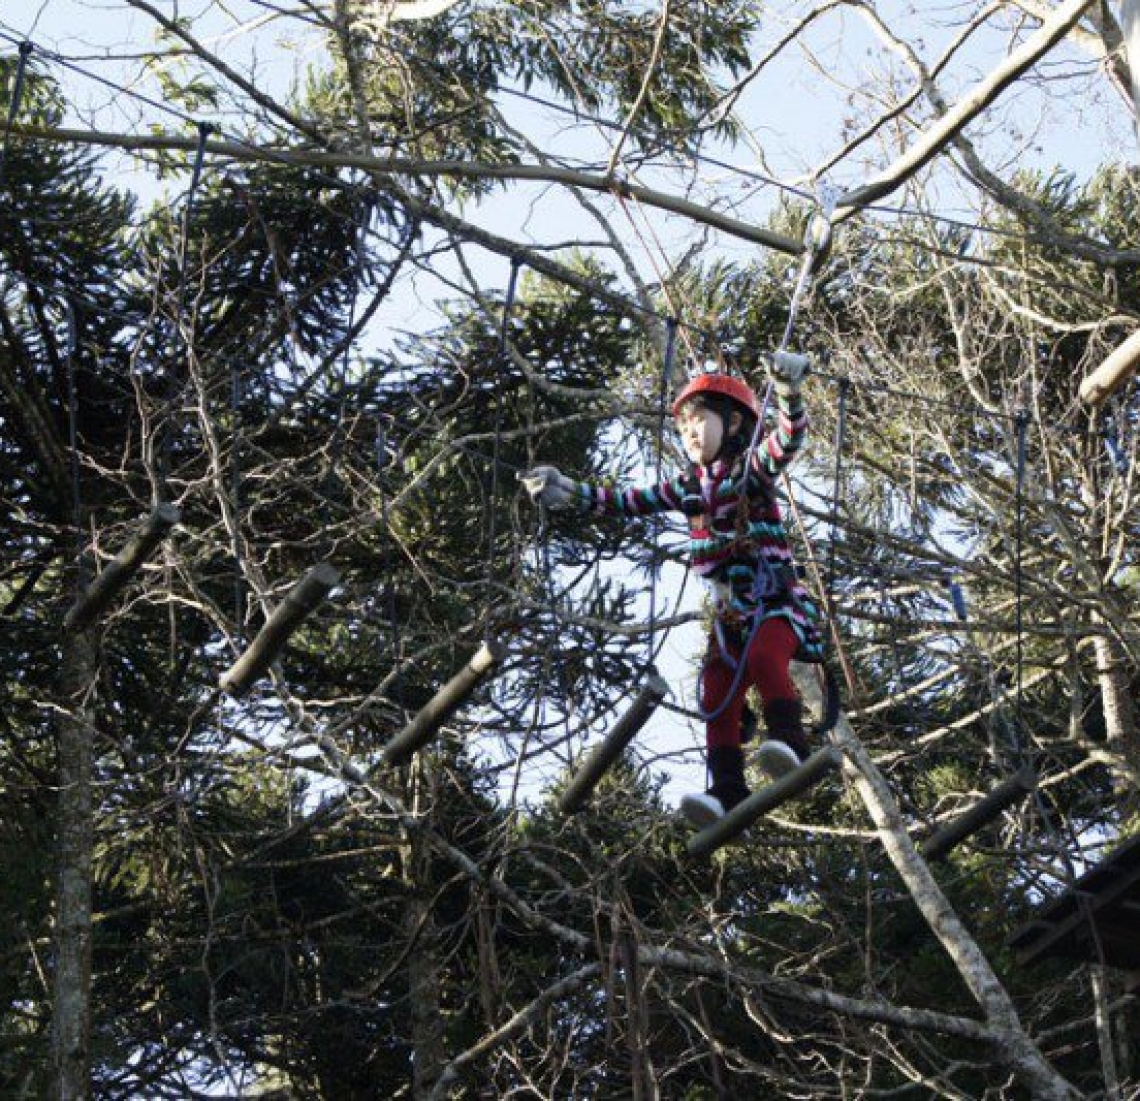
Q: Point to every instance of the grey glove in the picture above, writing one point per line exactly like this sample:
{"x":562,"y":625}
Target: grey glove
{"x":789,"y":369}
{"x":548,"y":486}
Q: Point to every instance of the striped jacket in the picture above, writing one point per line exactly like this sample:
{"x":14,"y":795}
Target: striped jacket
{"x":737,"y":539}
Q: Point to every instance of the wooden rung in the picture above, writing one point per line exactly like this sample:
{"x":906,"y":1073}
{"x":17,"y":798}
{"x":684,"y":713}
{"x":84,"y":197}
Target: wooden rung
{"x":574,"y":797}
{"x":427,"y":721}
{"x":97,"y":597}
{"x":737,"y":820}
{"x":982,"y":812}
{"x":301,"y":601}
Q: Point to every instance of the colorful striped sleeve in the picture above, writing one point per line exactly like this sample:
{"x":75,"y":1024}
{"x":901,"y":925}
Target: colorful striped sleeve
{"x":784,"y":441}
{"x":635,"y":501}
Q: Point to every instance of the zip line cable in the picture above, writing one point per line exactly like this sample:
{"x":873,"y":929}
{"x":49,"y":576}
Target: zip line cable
{"x":703,"y":158}
{"x":578,"y":114}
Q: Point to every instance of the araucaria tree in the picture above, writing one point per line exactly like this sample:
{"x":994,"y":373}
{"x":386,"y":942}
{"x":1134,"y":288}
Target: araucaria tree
{"x":304,"y":351}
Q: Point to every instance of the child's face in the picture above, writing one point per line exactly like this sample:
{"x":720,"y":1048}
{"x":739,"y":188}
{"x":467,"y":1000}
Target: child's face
{"x":702,"y":432}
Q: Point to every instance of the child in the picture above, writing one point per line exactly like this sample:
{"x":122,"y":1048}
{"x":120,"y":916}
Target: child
{"x":763,"y":618}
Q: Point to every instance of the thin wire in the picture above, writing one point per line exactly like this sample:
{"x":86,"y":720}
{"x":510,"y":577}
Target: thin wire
{"x":120,"y":89}
{"x":697,"y":157}
{"x":818,"y":239}
{"x":701,"y":158}
{"x":576,"y":113}
{"x":1051,"y":827}
{"x":336,"y":444}
{"x":383,"y":460}
{"x":837,"y":486}
{"x":662,"y":404}
{"x":492,"y":520}
{"x":996,"y":417}
{"x":662,"y":281}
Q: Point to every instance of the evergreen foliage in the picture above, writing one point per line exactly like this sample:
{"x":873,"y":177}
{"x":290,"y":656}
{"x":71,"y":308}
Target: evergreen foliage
{"x":277,"y":914}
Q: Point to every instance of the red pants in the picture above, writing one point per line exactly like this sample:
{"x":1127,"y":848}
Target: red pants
{"x":773,"y":647}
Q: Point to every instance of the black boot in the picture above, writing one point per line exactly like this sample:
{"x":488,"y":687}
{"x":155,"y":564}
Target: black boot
{"x":726,"y":764}
{"x":748,"y":725}
{"x":787,"y":746}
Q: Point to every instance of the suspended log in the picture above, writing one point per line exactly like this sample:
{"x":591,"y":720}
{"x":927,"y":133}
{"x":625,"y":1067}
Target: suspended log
{"x":1113,"y":373}
{"x":427,"y":721}
{"x":768,"y":798}
{"x":607,"y":751}
{"x":98,"y":596}
{"x":300,"y":603}
{"x":980,"y":814}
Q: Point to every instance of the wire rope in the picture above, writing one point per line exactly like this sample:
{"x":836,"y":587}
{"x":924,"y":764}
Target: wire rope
{"x":836,"y":488}
{"x":503,"y":360}
{"x":662,"y":404}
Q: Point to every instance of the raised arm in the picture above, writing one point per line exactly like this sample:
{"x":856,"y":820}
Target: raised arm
{"x":784,"y":441}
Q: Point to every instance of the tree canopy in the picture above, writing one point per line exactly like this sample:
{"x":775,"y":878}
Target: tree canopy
{"x":331,"y":316}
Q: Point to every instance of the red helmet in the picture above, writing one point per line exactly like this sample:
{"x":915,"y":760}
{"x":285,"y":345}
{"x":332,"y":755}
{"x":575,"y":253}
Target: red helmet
{"x":736,"y":389}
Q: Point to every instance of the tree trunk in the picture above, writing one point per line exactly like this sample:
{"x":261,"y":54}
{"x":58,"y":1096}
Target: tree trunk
{"x":1019,"y":1052}
{"x":1100,"y":983}
{"x":423,"y":988}
{"x":1119,"y":711}
{"x":71,"y":1016}
{"x":424,"y":970}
